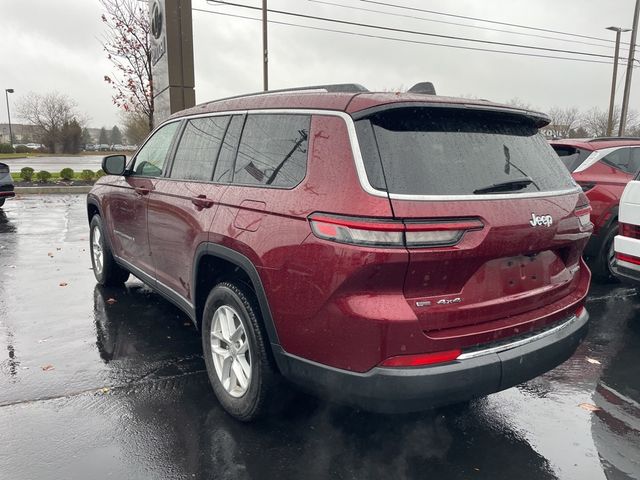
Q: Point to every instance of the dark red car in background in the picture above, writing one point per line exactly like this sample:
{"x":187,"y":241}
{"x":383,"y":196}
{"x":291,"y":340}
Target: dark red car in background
{"x":602,"y":167}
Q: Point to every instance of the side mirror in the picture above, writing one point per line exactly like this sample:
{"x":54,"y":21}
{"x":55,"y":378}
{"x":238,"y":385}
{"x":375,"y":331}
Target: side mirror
{"x":114,"y":164}
{"x":4,"y":168}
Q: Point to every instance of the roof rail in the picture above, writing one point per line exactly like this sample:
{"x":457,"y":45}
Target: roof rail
{"x":332,"y":88}
{"x":601,"y":139}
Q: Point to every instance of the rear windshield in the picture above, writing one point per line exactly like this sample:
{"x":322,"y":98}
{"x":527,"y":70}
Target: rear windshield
{"x":572,"y":157}
{"x":442,"y":151}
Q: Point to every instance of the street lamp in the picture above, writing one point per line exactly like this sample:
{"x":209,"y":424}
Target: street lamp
{"x":6,"y":94}
{"x":618,"y":31}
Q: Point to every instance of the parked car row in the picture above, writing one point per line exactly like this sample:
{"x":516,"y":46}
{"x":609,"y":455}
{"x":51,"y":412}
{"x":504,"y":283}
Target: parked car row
{"x":104,"y":147}
{"x":393,"y":251}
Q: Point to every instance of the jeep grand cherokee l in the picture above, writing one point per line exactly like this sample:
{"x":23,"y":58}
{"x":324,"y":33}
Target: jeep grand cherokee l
{"x":393,"y":251}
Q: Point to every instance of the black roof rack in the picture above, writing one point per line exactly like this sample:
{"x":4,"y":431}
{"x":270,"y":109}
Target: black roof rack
{"x":332,"y":88}
{"x":601,"y":139}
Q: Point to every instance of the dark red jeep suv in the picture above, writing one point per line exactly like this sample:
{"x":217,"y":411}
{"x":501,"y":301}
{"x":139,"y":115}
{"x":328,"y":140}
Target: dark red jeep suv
{"x":392,"y":251}
{"x":602,"y":167}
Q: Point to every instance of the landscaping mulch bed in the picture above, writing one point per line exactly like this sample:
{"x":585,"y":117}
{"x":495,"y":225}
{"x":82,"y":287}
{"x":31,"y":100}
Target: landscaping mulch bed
{"x":55,"y":183}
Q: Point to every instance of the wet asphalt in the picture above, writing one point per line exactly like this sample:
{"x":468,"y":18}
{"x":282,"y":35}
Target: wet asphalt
{"x":110,"y":383}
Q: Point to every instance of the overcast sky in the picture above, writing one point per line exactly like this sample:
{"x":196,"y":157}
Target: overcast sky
{"x":54,"y":45}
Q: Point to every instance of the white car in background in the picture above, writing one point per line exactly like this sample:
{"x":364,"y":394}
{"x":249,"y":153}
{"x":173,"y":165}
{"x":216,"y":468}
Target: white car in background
{"x":627,"y":242}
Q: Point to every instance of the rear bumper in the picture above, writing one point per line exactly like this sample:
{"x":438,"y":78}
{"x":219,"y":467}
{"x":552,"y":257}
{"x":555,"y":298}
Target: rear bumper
{"x":400,"y":390}
{"x":6,"y":191}
{"x":625,"y":271}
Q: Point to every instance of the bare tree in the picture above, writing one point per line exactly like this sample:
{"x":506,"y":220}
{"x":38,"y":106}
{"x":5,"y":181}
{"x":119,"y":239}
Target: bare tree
{"x":563,"y":120}
{"x":136,"y":127}
{"x":519,"y":103}
{"x":51,"y":113}
{"x":595,"y":121}
{"x":128,"y":46}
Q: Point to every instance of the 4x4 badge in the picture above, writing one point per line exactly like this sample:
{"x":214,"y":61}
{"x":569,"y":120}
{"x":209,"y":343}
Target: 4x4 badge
{"x":539,"y":220}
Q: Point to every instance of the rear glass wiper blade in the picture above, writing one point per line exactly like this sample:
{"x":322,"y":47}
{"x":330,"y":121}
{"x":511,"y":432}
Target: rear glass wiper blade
{"x":508,"y":186}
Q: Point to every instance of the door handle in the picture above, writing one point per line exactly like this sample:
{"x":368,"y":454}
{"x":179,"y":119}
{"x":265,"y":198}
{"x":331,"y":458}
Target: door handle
{"x":201,"y":201}
{"x":142,"y":190}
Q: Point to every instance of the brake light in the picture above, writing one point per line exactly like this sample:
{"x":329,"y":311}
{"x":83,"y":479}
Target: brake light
{"x":584,"y":215}
{"x":422,"y":359}
{"x":628,"y":230}
{"x":391,"y":233}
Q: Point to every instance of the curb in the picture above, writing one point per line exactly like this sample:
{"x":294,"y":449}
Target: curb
{"x":42,"y":190}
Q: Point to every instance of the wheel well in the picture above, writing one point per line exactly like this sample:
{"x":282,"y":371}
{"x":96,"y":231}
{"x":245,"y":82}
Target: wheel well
{"x":92,"y":210}
{"x":211,"y":271}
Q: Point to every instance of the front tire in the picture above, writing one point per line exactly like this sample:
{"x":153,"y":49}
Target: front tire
{"x":602,"y":268}
{"x":105,"y":268}
{"x":235,"y":351}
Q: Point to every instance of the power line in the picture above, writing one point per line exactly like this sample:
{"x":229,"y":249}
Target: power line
{"x":404,"y":40}
{"x":413,"y":32}
{"x":495,"y":22}
{"x":413,"y":17}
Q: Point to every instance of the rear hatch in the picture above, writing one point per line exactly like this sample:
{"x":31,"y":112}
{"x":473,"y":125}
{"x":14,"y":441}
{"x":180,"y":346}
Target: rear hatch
{"x":506,"y":224}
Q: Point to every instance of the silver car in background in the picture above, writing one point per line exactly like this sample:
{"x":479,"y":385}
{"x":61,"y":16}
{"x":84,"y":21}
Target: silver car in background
{"x":6,"y":184}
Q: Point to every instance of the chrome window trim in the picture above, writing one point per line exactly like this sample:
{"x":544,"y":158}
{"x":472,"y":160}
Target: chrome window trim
{"x":525,"y":341}
{"x":359,"y":161}
{"x":597,"y":155}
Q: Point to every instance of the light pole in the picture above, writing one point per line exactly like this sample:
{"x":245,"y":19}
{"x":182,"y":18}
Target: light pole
{"x":627,"y":81}
{"x":6,"y":94}
{"x":618,"y":31}
{"x":265,"y":48}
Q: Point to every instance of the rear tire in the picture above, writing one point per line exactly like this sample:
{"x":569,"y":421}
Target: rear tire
{"x":603,"y":263}
{"x":105,"y":268}
{"x":235,"y":352}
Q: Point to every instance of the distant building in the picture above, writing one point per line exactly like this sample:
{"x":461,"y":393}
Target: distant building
{"x":21,"y":133}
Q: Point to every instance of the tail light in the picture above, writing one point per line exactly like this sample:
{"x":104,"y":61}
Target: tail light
{"x":586,"y":186}
{"x":421,"y":359}
{"x":584,"y":215}
{"x":389,"y":233}
{"x":627,"y":258}
{"x":628,"y":230}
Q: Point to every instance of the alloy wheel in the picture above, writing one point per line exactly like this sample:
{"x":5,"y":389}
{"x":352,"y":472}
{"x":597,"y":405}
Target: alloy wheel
{"x":231,"y":351}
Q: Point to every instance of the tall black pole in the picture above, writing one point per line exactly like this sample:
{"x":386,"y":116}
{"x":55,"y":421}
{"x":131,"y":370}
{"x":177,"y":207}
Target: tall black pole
{"x":265,"y":49}
{"x":627,"y":82}
{"x":6,"y":94}
{"x":613,"y":83}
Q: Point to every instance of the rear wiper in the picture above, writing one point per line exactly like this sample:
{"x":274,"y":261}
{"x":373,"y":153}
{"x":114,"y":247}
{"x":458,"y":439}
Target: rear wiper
{"x":508,"y":186}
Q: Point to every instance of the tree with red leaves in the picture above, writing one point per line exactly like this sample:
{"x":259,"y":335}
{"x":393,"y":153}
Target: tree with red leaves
{"x":127,"y":43}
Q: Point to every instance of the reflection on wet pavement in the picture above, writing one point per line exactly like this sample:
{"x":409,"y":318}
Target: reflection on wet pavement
{"x":110,"y":383}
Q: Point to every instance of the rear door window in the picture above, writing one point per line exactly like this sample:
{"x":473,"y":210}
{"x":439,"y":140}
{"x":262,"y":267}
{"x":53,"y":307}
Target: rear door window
{"x":198,"y":149}
{"x":442,"y":151}
{"x":620,"y":159}
{"x":224,"y":166}
{"x":571,"y":157}
{"x":273,"y":150}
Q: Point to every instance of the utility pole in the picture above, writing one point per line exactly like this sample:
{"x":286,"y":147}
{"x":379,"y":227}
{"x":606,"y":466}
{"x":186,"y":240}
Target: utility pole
{"x":618,"y":31}
{"x":627,"y":82}
{"x":265,"y":49}
{"x":6,"y":94}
